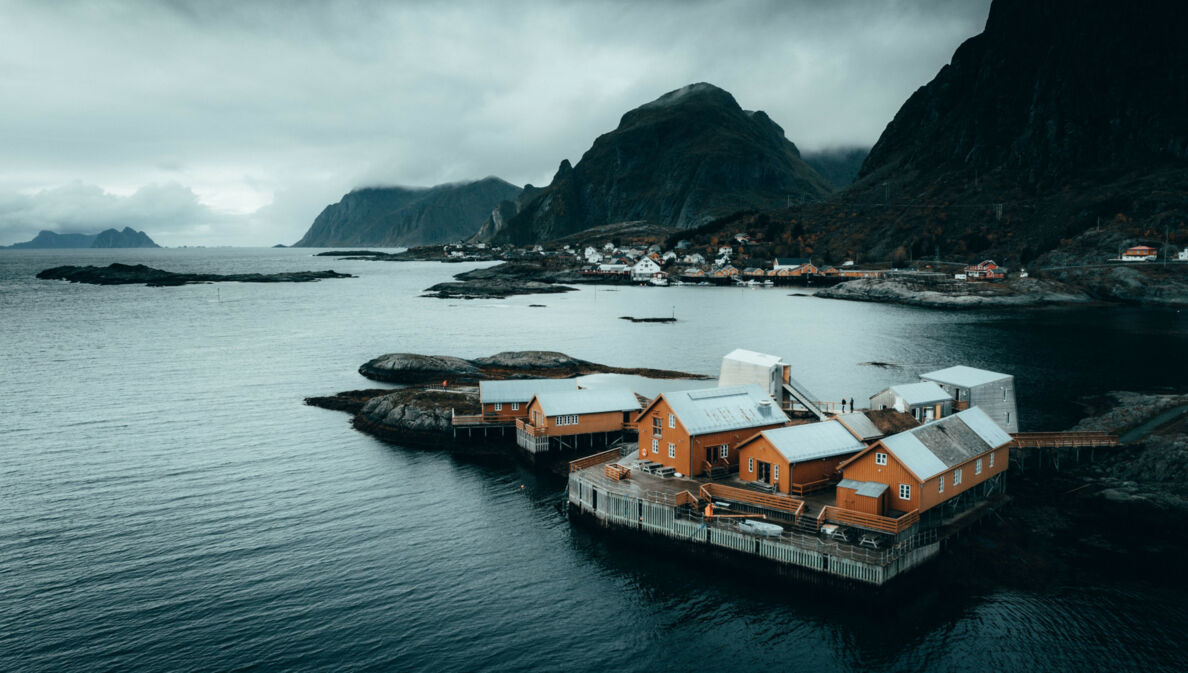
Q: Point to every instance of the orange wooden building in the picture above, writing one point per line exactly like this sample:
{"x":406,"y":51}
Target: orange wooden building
{"x":695,"y":431}
{"x":797,"y":459}
{"x":562,"y":419}
{"x":926,"y":466}
{"x":505,"y":401}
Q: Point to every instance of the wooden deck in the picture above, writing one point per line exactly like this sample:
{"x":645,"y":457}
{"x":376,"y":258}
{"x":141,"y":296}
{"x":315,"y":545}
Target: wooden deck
{"x":1063,"y":440}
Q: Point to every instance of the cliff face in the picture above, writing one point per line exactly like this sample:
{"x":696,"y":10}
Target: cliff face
{"x":1068,"y":113}
{"x":110,"y":238}
{"x":398,"y":216}
{"x":688,"y":157}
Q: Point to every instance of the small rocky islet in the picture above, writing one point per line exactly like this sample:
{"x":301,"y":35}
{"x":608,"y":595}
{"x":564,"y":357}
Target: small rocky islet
{"x":139,"y":274}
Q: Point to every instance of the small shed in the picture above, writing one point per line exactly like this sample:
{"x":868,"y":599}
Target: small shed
{"x":868,"y":497}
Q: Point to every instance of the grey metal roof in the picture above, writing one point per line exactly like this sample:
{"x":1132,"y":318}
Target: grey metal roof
{"x":813,"y":440}
{"x":789,"y":261}
{"x":861,"y":426}
{"x":521,"y":390}
{"x":937,"y":446}
{"x":964,"y":377}
{"x":925,"y":392}
{"x":869,"y":489}
{"x":722,"y":409}
{"x":752,"y":357}
{"x":587,"y":401}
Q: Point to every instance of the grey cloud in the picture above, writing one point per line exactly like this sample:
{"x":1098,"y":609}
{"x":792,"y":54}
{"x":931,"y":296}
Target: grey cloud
{"x":268,"y":110}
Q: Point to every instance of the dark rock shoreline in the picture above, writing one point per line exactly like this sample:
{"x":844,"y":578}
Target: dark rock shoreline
{"x":950,"y":293}
{"x":136,"y":274}
{"x":415,"y":368}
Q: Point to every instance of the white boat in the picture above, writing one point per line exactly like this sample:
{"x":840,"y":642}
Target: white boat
{"x":760,"y":528}
{"x":658,"y":281}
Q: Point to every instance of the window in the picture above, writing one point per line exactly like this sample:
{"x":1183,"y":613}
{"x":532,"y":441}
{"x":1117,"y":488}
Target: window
{"x":775,"y":473}
{"x":498,"y":406}
{"x":655,"y":446}
{"x":671,"y":421}
{"x":750,"y":464}
{"x":515,"y":406}
{"x":671,"y":450}
{"x":905,"y":491}
{"x":656,"y":426}
{"x":991,"y":459}
{"x":956,"y":476}
{"x":565,"y":420}
{"x":1004,"y":393}
{"x":724,"y":451}
{"x":1008,"y":418}
{"x":978,"y":466}
{"x":942,"y":483}
{"x":880,"y":459}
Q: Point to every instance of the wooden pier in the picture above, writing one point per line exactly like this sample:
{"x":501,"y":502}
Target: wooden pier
{"x":814,"y":535}
{"x":1037,"y":450}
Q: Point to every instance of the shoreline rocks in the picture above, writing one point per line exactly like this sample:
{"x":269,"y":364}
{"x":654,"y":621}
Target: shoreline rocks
{"x":136,"y":274}
{"x":416,"y":368}
{"x":491,"y":289}
{"x":951,"y":294}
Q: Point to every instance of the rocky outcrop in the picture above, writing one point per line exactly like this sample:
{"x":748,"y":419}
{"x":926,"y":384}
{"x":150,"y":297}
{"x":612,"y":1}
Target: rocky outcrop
{"x":950,"y":294}
{"x":401,"y":216}
{"x":491,"y":289}
{"x":415,"y":416}
{"x":414,"y":368}
{"x":137,"y":274}
{"x":682,"y":160}
{"x":109,"y":238}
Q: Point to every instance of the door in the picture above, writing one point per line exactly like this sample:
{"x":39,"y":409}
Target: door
{"x":764,"y":473}
{"x":711,"y":455}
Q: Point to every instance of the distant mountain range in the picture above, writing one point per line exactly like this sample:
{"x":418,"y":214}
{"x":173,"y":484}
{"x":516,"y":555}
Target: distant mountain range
{"x":404,"y":216}
{"x":109,"y":238}
{"x":684,"y":159}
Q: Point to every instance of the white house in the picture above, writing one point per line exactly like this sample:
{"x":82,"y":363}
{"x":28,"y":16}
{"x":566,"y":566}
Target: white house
{"x":668,"y":257}
{"x":696,"y":258}
{"x":1183,"y":255}
{"x":592,"y":255}
{"x":645,"y":269}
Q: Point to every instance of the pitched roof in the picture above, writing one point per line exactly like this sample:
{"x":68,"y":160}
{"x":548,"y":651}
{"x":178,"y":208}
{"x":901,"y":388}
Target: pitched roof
{"x":964,"y":377}
{"x":811,"y":441}
{"x":752,"y":357}
{"x":861,"y":426}
{"x":791,"y":261}
{"x":890,"y":421}
{"x":521,"y":390}
{"x":587,"y":401}
{"x":722,"y":409}
{"x":925,"y":392}
{"x":935,"y":447}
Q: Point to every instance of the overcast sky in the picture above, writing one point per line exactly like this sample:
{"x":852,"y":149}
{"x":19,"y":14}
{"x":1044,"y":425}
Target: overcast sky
{"x":207,"y":122}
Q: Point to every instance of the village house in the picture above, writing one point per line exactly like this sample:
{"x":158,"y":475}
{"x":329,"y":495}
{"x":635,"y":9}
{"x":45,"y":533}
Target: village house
{"x":645,"y":269}
{"x":565,"y":419}
{"x":695,"y":258}
{"x":508,"y":400}
{"x":592,"y":255}
{"x":1140,"y":253}
{"x":925,"y":401}
{"x":971,"y":387}
{"x":696,"y":432}
{"x":985,"y":270}
{"x":797,"y":459}
{"x":922,"y":468}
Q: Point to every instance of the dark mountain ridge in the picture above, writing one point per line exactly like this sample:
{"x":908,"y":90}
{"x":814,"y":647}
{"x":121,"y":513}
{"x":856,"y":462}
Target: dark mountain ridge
{"x":404,"y":216}
{"x":682,"y":160}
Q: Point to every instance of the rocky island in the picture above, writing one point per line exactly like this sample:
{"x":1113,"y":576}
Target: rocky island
{"x":949,"y":293}
{"x":421,"y":416}
{"x":137,"y":274}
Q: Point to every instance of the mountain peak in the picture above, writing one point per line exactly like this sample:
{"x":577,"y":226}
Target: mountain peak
{"x":691,"y":93}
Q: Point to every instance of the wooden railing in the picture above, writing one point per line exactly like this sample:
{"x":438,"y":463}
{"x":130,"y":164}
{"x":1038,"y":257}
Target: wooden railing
{"x":1052,"y":440}
{"x":883,"y":524}
{"x":812,"y":486}
{"x":590,"y":461}
{"x":686,"y":498}
{"x":524,"y":426}
{"x":779,"y":503}
{"x":617,"y":472}
{"x":468,"y":419}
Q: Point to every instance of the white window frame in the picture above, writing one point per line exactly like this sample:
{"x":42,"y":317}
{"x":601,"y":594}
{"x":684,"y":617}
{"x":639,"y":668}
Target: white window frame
{"x":905,"y":491}
{"x":672,"y":420}
{"x":657,"y":425}
{"x":978,"y":466}
{"x":957,"y":477}
{"x":775,"y":473}
{"x":499,"y":406}
{"x":941,"y":484}
{"x":991,"y":459}
{"x":880,"y":458}
{"x":750,"y":465}
{"x":655,"y":446}
{"x":724,"y":451}
{"x":671,"y":450}
{"x":515,"y":406}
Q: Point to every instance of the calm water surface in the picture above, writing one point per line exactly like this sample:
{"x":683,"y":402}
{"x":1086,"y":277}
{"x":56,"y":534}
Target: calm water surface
{"x":167,"y":503}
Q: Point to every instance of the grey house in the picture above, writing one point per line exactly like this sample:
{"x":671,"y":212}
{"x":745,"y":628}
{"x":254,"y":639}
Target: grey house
{"x":926,"y":401}
{"x":970,"y":387}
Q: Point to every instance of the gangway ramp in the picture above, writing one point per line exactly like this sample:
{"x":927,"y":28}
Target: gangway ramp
{"x":804,"y":398}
